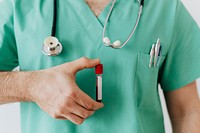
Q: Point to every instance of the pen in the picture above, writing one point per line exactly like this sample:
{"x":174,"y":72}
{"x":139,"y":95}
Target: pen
{"x":159,"y":57}
{"x":152,"y":54}
{"x":157,"y":49}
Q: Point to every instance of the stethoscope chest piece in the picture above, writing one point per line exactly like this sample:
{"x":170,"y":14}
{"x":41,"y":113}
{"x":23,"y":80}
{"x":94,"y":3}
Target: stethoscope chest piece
{"x":51,"y":46}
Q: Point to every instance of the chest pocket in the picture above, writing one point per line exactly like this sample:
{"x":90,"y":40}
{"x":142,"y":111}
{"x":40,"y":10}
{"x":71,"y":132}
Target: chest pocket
{"x":146,"y":82}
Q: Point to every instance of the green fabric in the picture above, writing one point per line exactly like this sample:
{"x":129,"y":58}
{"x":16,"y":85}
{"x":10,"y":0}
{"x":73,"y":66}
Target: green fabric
{"x":182,"y":64}
{"x":8,"y":50}
{"x":130,"y":91}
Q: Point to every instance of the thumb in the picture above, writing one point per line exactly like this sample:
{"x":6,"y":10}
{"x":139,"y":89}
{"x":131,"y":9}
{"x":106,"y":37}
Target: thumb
{"x":83,"y":63}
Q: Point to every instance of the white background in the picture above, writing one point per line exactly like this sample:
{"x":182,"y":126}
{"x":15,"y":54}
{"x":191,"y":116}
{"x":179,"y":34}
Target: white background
{"x":10,"y":114}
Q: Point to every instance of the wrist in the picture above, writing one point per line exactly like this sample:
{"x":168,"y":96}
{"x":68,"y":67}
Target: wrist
{"x":33,"y":85}
{"x":23,"y":85}
{"x":14,"y":87}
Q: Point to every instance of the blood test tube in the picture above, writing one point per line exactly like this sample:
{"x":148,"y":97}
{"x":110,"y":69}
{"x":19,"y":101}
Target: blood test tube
{"x":99,"y":72}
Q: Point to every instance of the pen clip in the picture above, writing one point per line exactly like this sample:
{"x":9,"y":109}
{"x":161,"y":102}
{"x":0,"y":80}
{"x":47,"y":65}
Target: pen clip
{"x":157,"y":51}
{"x":152,"y":54}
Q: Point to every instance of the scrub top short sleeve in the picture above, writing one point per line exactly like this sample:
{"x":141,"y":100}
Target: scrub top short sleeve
{"x":182,"y":65}
{"x":8,"y":50}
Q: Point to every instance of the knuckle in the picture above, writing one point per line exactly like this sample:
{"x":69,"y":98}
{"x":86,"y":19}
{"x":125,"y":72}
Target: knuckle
{"x":79,"y":122}
{"x":72,"y":109}
{"x":67,"y":104}
{"x":84,"y":60}
{"x":59,"y":110}
{"x":84,"y":114}
{"x":55,"y":116}
{"x":88,"y":105}
{"x":75,"y":120}
{"x":72,"y":94}
{"x":91,"y":113}
{"x":68,"y":99}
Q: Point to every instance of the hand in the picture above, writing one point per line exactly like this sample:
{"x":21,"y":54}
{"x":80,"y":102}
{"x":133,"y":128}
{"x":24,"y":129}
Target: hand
{"x":56,"y":92}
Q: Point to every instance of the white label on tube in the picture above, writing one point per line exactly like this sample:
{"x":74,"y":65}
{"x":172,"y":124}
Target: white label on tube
{"x":99,"y":87}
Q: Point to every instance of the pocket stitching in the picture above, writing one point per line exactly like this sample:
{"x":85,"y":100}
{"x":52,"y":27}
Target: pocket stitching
{"x":138,"y":101}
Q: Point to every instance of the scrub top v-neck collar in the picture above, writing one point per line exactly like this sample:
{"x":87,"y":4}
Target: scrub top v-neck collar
{"x":94,"y":25}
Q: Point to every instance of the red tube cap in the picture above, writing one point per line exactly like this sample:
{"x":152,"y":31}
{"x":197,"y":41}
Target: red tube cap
{"x":99,"y":69}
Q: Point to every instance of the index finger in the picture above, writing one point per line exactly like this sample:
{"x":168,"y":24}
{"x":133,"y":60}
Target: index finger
{"x":83,"y":63}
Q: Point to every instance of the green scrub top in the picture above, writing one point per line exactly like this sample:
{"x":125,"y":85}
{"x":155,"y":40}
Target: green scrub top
{"x":130,"y":87}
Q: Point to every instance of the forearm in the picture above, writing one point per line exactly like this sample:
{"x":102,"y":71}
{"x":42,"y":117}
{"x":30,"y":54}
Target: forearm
{"x":184,"y":109}
{"x":186,"y":124}
{"x":14,"y":86}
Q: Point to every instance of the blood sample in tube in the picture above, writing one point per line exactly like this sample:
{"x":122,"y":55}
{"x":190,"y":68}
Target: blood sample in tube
{"x":99,"y":72}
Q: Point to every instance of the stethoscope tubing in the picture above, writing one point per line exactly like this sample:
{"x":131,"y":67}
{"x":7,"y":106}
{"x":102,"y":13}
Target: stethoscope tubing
{"x":53,"y":31}
{"x":58,"y":46}
{"x":133,"y":30}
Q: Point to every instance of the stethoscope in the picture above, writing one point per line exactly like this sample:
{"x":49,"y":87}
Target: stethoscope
{"x":53,"y":47}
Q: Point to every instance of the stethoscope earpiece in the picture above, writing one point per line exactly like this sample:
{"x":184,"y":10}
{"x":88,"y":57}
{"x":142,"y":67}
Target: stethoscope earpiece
{"x":51,"y":46}
{"x":107,"y":42}
{"x":117,"y":44}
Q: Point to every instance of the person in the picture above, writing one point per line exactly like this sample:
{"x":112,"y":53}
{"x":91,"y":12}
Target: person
{"x":57,"y":92}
